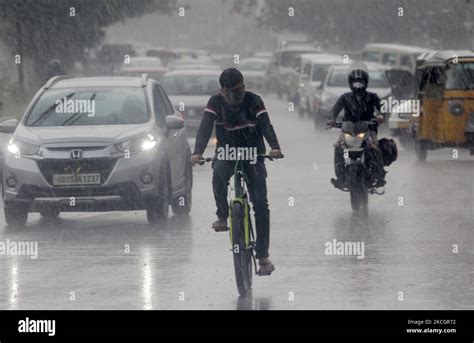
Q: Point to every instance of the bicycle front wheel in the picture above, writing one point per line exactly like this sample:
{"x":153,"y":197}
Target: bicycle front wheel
{"x":242,"y":254}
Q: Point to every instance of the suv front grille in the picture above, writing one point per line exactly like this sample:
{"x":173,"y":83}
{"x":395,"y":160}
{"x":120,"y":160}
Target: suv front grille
{"x":50,"y":167}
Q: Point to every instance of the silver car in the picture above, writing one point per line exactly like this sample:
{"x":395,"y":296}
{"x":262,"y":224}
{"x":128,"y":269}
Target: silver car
{"x":97,"y":144}
{"x":336,"y":84}
{"x":189,"y":92}
{"x":254,"y":70}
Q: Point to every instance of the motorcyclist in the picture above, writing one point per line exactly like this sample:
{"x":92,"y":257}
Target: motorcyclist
{"x":358,"y":105}
{"x":240,"y":120}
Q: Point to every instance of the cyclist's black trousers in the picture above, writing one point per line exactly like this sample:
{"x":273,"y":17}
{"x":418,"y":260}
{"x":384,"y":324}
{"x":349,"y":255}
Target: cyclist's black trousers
{"x":257,"y":188}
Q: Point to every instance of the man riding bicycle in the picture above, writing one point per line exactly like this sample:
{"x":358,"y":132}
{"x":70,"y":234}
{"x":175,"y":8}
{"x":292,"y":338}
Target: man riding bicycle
{"x":241,"y":121}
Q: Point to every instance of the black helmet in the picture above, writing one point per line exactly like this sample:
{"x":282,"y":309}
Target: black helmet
{"x":358,"y":76}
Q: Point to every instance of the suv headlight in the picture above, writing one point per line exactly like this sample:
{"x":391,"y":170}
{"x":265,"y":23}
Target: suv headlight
{"x":140,"y":144}
{"x":17,"y":147}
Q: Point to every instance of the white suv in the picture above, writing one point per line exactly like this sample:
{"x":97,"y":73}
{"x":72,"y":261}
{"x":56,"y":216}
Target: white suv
{"x":97,"y":144}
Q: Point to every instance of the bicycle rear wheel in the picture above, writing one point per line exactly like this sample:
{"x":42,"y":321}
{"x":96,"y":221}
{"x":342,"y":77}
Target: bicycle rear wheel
{"x":242,"y":255}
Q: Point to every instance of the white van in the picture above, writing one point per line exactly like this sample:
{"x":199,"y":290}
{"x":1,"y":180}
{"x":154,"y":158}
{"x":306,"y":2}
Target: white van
{"x":314,"y":69}
{"x":396,"y":55}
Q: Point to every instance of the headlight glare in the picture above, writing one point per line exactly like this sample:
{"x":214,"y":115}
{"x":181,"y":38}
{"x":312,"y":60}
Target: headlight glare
{"x":140,"y":144}
{"x":353,"y":141}
{"x":22,"y":148}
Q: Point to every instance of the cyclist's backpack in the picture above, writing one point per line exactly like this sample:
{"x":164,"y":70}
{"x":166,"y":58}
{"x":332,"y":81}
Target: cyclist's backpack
{"x":389,"y":150}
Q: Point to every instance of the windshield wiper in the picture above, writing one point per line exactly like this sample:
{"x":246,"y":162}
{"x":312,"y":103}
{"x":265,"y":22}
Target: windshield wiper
{"x":48,"y":112}
{"x":76,"y":116}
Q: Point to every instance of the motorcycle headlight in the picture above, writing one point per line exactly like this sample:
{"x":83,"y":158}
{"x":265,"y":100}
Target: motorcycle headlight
{"x":354,"y":141}
{"x":17,"y":147}
{"x":140,"y":144}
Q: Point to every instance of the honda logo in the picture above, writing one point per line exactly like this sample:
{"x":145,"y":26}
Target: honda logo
{"x":76,"y":154}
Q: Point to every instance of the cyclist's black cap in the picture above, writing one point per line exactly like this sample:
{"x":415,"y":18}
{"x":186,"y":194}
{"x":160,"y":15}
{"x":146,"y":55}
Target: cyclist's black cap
{"x":231,"y":77}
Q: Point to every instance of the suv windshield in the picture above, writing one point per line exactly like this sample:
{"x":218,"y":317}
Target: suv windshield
{"x":89,"y":106}
{"x":460,"y":76}
{"x":338,"y":78}
{"x":190,"y":85}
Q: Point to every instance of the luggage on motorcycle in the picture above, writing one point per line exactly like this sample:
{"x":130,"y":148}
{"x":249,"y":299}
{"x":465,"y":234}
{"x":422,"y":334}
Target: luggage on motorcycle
{"x":389,"y":150}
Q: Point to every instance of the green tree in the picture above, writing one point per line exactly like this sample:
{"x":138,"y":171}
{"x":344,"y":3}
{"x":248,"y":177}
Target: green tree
{"x":45,"y":29}
{"x":348,"y":24}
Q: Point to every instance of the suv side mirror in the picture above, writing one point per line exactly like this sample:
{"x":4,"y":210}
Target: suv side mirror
{"x":173,"y":122}
{"x":8,"y":126}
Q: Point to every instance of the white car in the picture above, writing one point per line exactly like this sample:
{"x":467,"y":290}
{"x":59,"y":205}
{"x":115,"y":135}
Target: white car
{"x":399,"y":122}
{"x":125,"y":149}
{"x":336,"y":83}
{"x":189,"y":91}
{"x":314,"y":69}
{"x":254,"y":70}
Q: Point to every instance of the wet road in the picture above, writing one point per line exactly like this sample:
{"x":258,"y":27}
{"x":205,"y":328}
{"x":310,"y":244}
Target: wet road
{"x":410,"y":236}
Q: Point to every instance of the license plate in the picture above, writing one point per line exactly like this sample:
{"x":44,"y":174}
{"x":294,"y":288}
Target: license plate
{"x":79,"y":179}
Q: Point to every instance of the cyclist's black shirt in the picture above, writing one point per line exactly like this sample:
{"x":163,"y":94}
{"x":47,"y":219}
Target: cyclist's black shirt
{"x":244,"y":126}
{"x":356,"y":107}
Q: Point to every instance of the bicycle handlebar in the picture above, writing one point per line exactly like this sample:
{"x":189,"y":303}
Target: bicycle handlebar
{"x":338,"y":125}
{"x":210,"y":159}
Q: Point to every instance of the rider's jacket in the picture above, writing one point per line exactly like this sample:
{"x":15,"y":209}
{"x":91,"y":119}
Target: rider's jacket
{"x":357,"y":106}
{"x":244,"y":126}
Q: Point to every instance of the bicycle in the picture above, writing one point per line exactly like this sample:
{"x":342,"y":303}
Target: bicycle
{"x":242,"y":236}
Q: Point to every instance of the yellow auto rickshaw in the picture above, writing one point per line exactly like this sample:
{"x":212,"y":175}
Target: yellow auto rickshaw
{"x":445,"y":90}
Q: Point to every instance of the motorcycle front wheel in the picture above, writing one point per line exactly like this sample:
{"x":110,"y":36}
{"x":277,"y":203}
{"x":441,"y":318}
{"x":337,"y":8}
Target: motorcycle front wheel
{"x":359,"y":192}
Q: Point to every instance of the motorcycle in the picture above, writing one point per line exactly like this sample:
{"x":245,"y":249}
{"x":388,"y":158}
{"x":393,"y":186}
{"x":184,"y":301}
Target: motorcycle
{"x":356,"y":161}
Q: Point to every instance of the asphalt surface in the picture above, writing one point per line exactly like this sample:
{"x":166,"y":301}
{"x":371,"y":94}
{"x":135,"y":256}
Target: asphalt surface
{"x":418,"y":242}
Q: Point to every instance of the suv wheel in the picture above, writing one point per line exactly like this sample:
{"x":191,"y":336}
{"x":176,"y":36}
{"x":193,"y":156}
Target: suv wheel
{"x":182,"y":205}
{"x":17,"y":215}
{"x":157,"y":208}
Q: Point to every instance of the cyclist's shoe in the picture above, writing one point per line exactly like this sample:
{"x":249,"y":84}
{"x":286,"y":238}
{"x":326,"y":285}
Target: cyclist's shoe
{"x":266,"y":266}
{"x":220,"y":225}
{"x":338,"y":184}
{"x":379,"y":183}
